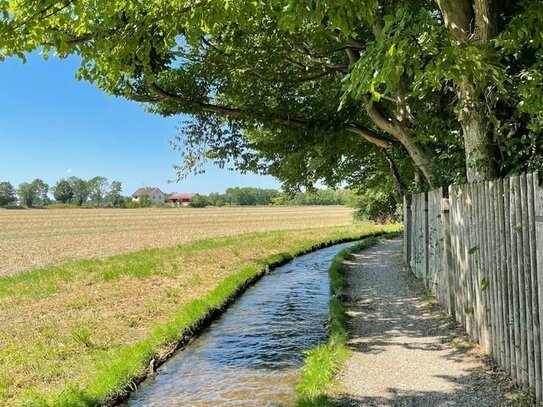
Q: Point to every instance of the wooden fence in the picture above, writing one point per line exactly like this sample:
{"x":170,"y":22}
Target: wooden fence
{"x":478,"y":250}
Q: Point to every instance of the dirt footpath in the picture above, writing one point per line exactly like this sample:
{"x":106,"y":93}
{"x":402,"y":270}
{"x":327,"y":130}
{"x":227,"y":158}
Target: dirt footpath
{"x":405,"y":353}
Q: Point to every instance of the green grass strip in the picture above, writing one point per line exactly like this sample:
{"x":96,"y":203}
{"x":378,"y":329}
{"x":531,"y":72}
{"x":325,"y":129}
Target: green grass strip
{"x":121,"y":369}
{"x":323,"y":363}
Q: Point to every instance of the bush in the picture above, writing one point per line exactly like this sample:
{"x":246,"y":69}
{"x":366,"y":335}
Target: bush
{"x":378,"y":205}
{"x":198,"y":201}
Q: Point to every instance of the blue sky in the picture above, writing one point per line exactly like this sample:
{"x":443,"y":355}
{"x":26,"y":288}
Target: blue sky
{"x":53,"y":126}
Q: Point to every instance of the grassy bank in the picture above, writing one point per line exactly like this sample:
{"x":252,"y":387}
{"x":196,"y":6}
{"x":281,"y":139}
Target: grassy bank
{"x":323,"y":362}
{"x":81,"y":333}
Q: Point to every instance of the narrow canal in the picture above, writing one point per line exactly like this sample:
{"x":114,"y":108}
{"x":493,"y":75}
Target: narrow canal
{"x":253,"y":354}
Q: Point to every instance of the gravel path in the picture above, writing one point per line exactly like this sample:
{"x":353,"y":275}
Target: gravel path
{"x":403,"y":352}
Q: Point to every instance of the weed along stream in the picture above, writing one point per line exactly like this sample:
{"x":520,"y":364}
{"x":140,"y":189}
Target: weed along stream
{"x":253,"y":354}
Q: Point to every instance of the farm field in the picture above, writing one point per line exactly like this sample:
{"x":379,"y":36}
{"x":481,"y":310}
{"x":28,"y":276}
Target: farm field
{"x":35,"y":238}
{"x":78,"y":332}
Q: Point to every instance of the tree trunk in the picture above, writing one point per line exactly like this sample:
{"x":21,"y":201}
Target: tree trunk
{"x":421,"y":156}
{"x":479,"y":152}
{"x":400,"y":186}
{"x":473,"y":21}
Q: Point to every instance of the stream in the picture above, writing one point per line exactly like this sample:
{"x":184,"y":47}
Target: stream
{"x":253,"y":354}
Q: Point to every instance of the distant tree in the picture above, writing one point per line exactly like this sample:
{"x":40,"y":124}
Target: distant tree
{"x":114,"y":196}
{"x":80,"y":189}
{"x":7,"y":193}
{"x":41,"y":189}
{"x":378,"y":205}
{"x":129,"y":203}
{"x":216,"y":199}
{"x":199,"y":201}
{"x":250,"y":196}
{"x":317,"y":197}
{"x":97,"y":188}
{"x":63,"y":191}
{"x":144,"y":202}
{"x":27,"y":194}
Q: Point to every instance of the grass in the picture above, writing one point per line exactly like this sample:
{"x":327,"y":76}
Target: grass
{"x":83,"y":332}
{"x":322,"y":363}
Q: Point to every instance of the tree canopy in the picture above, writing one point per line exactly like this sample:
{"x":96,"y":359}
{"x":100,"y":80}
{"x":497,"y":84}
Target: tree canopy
{"x":319,"y":91}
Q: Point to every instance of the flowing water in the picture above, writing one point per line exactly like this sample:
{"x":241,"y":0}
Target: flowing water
{"x":253,"y":354}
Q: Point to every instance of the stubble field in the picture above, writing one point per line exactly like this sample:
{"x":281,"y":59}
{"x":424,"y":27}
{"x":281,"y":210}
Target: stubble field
{"x":36,"y":238}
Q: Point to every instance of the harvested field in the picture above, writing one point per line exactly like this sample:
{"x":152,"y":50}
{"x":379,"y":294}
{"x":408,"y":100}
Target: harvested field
{"x":35,"y":238}
{"x":75,"y":333}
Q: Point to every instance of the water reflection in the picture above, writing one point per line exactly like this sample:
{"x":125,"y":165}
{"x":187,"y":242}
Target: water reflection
{"x":253,"y":354}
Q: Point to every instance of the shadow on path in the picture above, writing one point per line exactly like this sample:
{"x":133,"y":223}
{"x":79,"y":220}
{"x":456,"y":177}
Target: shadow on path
{"x":403,"y":352}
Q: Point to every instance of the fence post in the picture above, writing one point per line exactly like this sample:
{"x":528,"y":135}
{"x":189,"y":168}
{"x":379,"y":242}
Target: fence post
{"x":426,"y":264}
{"x":407,"y":222}
{"x":538,"y":217}
{"x":447,"y":254}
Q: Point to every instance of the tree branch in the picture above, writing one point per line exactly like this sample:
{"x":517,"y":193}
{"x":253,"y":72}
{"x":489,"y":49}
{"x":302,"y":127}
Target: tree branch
{"x":161,"y":95}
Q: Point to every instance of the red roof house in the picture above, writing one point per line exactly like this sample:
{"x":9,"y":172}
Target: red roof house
{"x":181,"y":199}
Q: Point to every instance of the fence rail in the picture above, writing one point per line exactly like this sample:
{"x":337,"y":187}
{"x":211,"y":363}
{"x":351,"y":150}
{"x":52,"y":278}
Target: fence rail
{"x":478,"y":251}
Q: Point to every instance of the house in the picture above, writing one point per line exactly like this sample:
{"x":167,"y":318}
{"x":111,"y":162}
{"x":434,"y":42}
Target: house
{"x":181,"y":199}
{"x":155,"y":195}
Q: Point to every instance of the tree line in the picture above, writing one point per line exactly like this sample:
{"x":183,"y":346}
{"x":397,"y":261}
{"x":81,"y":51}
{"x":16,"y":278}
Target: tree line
{"x":247,"y":196}
{"x":99,"y":192}
{"x":96,"y":192}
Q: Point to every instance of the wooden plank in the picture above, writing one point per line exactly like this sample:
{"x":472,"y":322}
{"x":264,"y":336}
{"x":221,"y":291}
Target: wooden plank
{"x":497,"y":209}
{"x":447,"y":254}
{"x":436,"y":270}
{"x":406,"y":228}
{"x":468,"y":303}
{"x":458,"y":257}
{"x":414,"y":219}
{"x":496,"y":247}
{"x":431,"y":271}
{"x":538,"y":217}
{"x":521,"y":295}
{"x":426,"y":242}
{"x":478,"y":264}
{"x":490,"y":268}
{"x":509,"y":281}
{"x":471,"y":270}
{"x":502,"y":262}
{"x":454,"y":258}
{"x":501,"y":269}
{"x":536,"y":333}
{"x":514,"y":279}
{"x":526,"y":271}
{"x":484,"y":266}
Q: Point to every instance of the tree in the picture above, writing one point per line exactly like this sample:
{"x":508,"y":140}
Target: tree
{"x":41,"y":190}
{"x":114,"y":196}
{"x":63,"y":191}
{"x":7,"y":193}
{"x":198,"y":201}
{"x":80,"y":190}
{"x":27,"y":194}
{"x":216,"y":199}
{"x":315,"y":91}
{"x":144,"y":202}
{"x":97,"y":188}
